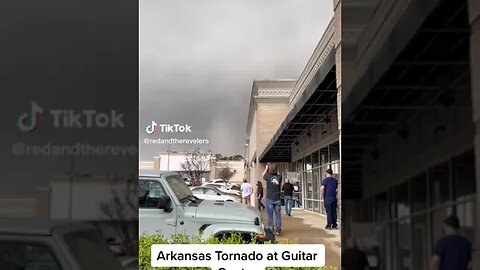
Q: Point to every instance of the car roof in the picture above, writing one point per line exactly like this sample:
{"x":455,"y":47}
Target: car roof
{"x":208,"y":187}
{"x":35,"y":226}
{"x":212,"y":188}
{"x":216,"y":185}
{"x":155,"y":173}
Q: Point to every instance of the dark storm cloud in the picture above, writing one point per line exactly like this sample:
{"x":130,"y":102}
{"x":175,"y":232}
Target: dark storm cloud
{"x":198,"y":60}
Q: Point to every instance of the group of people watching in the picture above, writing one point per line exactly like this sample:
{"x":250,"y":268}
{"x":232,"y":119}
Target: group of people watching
{"x":275,"y":185}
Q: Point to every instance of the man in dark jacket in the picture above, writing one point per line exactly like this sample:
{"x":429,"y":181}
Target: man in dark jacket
{"x":452,"y":251}
{"x":353,"y":258}
{"x":329,"y":192}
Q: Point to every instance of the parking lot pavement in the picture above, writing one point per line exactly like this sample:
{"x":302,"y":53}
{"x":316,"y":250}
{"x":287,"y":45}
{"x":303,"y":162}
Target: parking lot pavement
{"x":304,"y":227}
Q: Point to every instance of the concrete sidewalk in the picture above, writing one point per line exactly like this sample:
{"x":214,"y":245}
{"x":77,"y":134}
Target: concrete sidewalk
{"x":304,"y":227}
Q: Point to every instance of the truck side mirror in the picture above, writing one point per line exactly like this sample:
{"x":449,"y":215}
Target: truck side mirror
{"x":165,"y":203}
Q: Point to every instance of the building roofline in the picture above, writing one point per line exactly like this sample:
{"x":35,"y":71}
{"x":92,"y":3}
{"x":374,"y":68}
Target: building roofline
{"x":260,"y":84}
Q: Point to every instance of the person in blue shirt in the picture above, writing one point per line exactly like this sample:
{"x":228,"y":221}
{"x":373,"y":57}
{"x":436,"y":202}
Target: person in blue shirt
{"x":329,"y":191}
{"x":452,"y":251}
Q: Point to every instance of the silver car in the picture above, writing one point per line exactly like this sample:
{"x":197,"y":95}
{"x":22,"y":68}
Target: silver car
{"x":214,"y":194}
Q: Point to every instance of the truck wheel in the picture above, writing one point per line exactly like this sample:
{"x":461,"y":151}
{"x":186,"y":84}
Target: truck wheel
{"x":270,"y":236}
{"x":245,"y":236}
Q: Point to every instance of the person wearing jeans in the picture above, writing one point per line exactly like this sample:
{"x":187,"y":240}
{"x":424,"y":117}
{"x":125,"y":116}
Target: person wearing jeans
{"x":273,"y":208}
{"x":273,"y":181}
{"x":287,"y":196}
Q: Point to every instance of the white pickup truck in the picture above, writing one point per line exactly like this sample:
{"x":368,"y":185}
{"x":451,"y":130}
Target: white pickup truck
{"x":167,"y":206}
{"x":33,"y":244}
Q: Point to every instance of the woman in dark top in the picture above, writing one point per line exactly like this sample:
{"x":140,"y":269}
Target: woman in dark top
{"x":260,"y":196}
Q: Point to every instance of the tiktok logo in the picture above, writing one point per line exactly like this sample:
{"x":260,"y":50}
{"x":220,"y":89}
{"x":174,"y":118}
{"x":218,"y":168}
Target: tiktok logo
{"x":28,"y":121}
{"x":151,"y":128}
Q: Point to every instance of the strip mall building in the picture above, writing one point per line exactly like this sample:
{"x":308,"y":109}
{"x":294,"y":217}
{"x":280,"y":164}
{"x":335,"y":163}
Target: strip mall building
{"x":403,"y":79}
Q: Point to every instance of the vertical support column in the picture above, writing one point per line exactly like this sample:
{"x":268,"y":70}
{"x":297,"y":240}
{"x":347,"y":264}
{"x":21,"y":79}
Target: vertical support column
{"x":474,"y":7}
{"x":260,"y":167}
{"x":42,"y":197}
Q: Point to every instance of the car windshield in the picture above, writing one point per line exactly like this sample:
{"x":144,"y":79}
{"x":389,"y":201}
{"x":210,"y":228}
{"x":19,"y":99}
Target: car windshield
{"x":218,"y":190}
{"x":235,"y":187}
{"x":179,"y":187}
{"x":91,"y":251}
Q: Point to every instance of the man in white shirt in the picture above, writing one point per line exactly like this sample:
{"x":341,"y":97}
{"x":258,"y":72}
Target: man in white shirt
{"x":247,"y":191}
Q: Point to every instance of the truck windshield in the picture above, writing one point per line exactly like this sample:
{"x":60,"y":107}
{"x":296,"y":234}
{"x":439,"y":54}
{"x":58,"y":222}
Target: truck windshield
{"x":91,"y":251}
{"x":179,"y":187}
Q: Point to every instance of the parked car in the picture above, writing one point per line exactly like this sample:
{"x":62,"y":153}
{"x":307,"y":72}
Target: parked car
{"x":224,"y":188}
{"x":219,"y":181}
{"x":168,"y":206}
{"x":234,"y":186}
{"x":28,"y":243}
{"x":213,"y":194}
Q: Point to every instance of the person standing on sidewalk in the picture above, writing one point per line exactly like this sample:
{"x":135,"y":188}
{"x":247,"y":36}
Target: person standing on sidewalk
{"x":329,"y":192}
{"x":273,"y":181}
{"x":452,"y":251}
{"x":287,"y":196}
{"x":247,"y":191}
{"x":261,"y":206}
{"x":353,"y":258}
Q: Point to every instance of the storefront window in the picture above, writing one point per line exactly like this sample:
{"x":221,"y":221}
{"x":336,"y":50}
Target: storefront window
{"x":334,"y":152}
{"x":315,"y":159}
{"x":381,"y":207}
{"x":420,"y":242}
{"x":463,"y":172}
{"x":309,"y":205}
{"x":316,"y":206}
{"x":324,"y":156}
{"x":392,"y":250}
{"x":313,"y":167}
{"x":392,"y":205}
{"x":440,"y":184}
{"x":466,"y":214}
{"x":316,"y":184}
{"x":403,"y":200}
{"x":418,"y":189}
{"x":308,"y":162}
{"x":368,"y":210}
{"x":404,"y":259}
{"x":309,"y":185}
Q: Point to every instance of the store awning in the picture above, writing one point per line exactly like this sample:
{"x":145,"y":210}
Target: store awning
{"x":424,"y":75}
{"x":316,"y":104}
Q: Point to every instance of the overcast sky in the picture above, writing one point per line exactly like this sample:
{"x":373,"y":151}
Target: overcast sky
{"x":198,"y":59}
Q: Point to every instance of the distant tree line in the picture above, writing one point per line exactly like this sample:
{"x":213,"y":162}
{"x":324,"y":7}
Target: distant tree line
{"x":228,"y":158}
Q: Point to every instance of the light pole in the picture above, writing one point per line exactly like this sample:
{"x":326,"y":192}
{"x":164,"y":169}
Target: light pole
{"x":70,"y":197}
{"x":168,"y":158}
